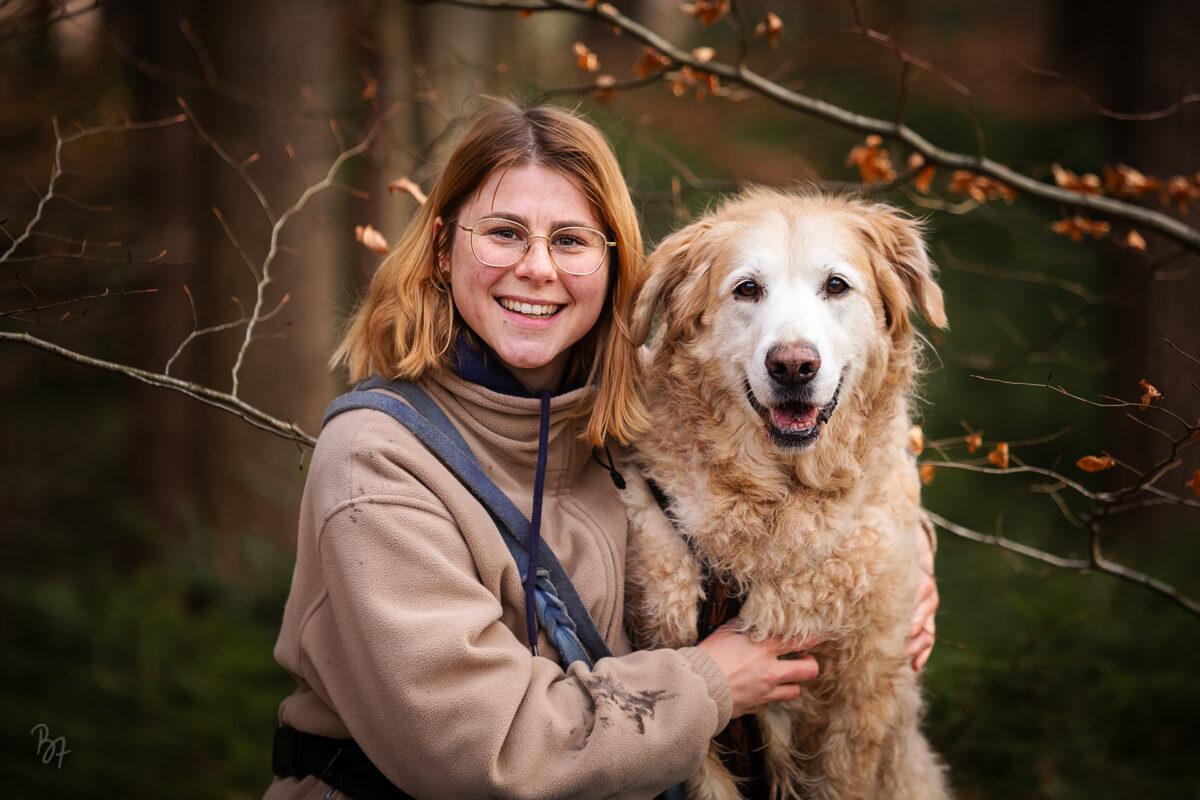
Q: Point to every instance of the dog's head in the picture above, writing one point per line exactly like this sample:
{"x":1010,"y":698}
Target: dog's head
{"x":792,"y":299}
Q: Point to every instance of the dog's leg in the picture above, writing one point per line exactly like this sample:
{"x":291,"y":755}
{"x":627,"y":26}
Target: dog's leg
{"x":872,"y":747}
{"x":912,"y":771}
{"x":790,"y":776}
{"x":662,"y":577}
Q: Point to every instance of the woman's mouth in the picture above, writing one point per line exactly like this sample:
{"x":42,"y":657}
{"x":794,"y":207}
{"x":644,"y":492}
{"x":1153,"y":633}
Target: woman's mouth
{"x":533,"y":310}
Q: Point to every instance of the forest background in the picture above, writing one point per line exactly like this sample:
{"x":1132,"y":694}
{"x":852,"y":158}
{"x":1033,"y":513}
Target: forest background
{"x":167,"y":204}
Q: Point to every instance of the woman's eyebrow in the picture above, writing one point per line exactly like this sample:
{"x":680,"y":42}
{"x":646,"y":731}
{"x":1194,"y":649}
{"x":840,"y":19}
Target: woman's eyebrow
{"x":573,"y":223}
{"x":558,"y":223}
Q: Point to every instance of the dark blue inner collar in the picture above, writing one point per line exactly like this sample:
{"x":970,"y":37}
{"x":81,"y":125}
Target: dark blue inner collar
{"x":480,"y":365}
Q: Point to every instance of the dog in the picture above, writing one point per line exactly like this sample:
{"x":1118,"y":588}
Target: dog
{"x":779,"y":384}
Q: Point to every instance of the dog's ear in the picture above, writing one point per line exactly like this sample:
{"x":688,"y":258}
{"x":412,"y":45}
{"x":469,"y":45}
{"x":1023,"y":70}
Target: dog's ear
{"x":907,"y":274}
{"x":669,"y":268}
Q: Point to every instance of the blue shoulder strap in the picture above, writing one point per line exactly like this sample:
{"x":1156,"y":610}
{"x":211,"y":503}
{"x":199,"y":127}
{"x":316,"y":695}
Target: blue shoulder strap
{"x":559,"y":608}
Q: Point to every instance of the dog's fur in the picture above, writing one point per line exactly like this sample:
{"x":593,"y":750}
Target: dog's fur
{"x":823,"y":532}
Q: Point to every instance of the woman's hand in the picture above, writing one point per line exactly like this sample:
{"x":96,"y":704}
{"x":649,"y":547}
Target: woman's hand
{"x":756,"y":672}
{"x":921,"y":635}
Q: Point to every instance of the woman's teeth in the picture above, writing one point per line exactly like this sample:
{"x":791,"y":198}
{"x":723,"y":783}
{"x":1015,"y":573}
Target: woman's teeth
{"x":529,"y":309}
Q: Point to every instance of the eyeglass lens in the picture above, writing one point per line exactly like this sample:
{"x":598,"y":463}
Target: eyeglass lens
{"x":501,"y":243}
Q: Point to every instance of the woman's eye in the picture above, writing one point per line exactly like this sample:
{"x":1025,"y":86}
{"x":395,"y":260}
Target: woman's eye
{"x":836,"y":285}
{"x":748,"y":290}
{"x":568,"y":241}
{"x":506,"y":234}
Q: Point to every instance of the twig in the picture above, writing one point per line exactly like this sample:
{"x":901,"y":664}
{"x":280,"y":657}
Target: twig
{"x":56,"y":169}
{"x":1097,"y":563}
{"x":264,"y":271}
{"x":226,"y":402}
{"x":606,"y":13}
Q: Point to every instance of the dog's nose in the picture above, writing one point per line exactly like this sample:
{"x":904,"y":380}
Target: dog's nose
{"x":793,"y":364}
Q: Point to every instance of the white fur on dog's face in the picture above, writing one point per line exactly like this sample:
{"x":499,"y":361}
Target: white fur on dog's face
{"x":753,"y":293}
{"x":791,"y":260}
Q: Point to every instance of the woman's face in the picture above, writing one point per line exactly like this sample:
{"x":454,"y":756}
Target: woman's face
{"x":534,"y":347}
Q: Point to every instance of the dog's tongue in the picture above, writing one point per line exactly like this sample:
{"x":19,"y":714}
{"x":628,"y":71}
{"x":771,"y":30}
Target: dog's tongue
{"x":794,"y":418}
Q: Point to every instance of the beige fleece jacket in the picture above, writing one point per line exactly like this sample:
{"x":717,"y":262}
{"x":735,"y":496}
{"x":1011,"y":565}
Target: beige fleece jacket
{"x":405,"y":628}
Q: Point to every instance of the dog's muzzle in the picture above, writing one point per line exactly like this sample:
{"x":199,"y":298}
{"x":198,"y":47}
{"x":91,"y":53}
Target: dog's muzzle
{"x":794,"y":424}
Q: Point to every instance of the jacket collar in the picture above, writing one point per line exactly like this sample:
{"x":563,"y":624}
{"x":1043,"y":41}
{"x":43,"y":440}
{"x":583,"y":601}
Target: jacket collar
{"x":477,"y":363}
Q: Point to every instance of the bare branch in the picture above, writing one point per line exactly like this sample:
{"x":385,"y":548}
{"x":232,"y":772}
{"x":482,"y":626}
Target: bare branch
{"x":37,"y":308}
{"x":239,"y":166}
{"x":1097,"y":563}
{"x":1095,"y":205}
{"x":56,"y":169}
{"x":226,"y":402}
{"x":277,"y":229}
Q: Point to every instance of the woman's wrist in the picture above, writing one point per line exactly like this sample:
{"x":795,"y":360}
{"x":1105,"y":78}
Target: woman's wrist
{"x":718,"y":689}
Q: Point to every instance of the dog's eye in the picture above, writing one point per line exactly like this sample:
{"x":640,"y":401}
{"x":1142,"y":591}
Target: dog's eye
{"x":836,"y":285}
{"x":748,"y":290}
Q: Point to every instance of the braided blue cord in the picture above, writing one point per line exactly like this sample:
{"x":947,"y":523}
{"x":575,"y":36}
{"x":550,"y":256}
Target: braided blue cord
{"x":559,"y":627}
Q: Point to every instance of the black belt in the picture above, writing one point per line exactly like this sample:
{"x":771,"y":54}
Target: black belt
{"x":343,"y":765}
{"x":339,"y":762}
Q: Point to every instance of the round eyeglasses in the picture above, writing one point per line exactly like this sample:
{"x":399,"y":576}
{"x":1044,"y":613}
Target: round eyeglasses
{"x":575,"y":250}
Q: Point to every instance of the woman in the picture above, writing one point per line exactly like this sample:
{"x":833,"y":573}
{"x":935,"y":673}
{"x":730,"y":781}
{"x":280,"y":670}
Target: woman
{"x":407,"y":628}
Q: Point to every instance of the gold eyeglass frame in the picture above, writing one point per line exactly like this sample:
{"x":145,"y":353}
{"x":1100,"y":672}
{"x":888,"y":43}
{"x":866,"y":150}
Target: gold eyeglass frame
{"x":529,"y":237}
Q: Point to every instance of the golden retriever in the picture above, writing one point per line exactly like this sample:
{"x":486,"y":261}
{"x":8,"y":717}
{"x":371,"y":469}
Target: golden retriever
{"x":779,"y":385}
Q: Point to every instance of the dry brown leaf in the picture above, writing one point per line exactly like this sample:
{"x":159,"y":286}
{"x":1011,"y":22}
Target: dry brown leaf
{"x":974,"y":441}
{"x":1135,"y":240}
{"x":999,"y":455}
{"x":704,"y":83}
{"x":1087,"y":184}
{"x":407,"y":185}
{"x":585,"y":59}
{"x":604,"y":88}
{"x":371,"y":239}
{"x":872,"y":160}
{"x":1078,"y":227}
{"x":926,"y":472}
{"x":924,"y":179}
{"x":916,"y":440}
{"x":1125,"y":181}
{"x":1096,"y":463}
{"x":370,"y":86}
{"x":651,"y":61}
{"x":980,"y":188}
{"x":1194,"y":483}
{"x":772,"y":26}
{"x":524,"y":13}
{"x":1180,"y":191}
{"x":1150,"y":393}
{"x":706,"y":11}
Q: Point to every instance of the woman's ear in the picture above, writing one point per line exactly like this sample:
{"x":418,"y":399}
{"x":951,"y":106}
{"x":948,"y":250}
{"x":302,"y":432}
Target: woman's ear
{"x":906,"y":278}
{"x":440,"y":256}
{"x":668,"y":267}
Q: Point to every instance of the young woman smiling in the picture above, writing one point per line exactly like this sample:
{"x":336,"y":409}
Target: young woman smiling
{"x":413,"y":637}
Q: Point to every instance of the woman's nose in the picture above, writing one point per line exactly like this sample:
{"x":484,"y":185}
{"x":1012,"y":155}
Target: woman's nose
{"x":537,"y":266}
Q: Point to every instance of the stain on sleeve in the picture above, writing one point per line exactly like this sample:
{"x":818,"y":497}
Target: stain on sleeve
{"x":637,"y":706}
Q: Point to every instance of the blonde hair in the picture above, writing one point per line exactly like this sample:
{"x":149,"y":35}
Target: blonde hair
{"x":405,"y":325}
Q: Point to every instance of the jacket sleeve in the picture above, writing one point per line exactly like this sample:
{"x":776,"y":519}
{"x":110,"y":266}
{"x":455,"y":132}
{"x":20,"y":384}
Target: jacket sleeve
{"x":448,"y":702}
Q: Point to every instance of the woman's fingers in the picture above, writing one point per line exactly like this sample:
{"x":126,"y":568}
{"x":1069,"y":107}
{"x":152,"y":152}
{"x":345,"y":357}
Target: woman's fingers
{"x":919,"y":661}
{"x":797,"y":670}
{"x":924,"y":615}
{"x":783,"y":693}
{"x":919,"y":643}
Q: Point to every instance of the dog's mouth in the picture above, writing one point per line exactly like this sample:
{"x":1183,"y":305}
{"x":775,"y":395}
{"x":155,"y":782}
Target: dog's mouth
{"x":794,"y":423}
